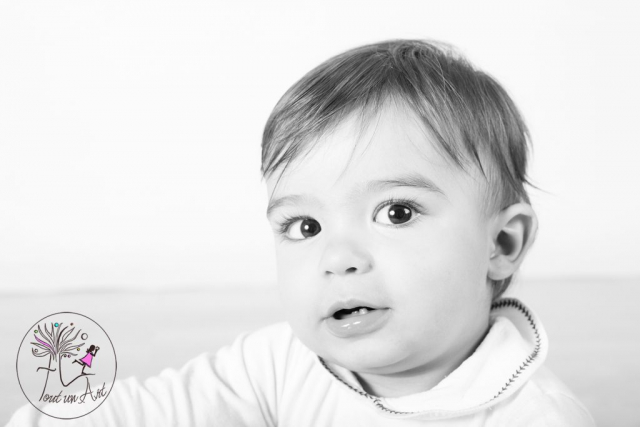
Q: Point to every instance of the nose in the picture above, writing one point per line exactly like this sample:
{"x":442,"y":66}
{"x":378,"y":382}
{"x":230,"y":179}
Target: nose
{"x":345,"y":257}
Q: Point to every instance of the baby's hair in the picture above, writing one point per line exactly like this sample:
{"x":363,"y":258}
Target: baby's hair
{"x":466,"y":112}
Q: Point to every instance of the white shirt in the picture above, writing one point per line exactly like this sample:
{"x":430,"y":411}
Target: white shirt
{"x":269,"y":378}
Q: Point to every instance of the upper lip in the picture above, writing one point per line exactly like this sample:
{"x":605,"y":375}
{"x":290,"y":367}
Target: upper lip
{"x":350,"y":303}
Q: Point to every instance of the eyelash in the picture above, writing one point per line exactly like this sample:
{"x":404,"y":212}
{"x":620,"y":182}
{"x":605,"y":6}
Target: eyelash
{"x":286,"y":223}
{"x":406,"y":201}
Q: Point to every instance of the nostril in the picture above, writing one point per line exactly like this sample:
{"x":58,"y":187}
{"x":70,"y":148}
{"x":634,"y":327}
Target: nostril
{"x":341,"y":257}
{"x":348,"y":270}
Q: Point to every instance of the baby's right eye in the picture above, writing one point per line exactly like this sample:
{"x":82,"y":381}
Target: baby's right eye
{"x":300,"y":228}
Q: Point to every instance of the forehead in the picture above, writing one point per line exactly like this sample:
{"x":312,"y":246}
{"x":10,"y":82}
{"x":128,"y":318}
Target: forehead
{"x":392,"y":144}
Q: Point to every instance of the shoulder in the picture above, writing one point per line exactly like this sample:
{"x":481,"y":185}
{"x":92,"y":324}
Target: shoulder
{"x":273,"y":351}
{"x":277,"y":334}
{"x":545,"y":401}
{"x":273,"y":341}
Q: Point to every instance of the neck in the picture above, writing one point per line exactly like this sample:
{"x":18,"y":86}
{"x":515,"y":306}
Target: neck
{"x":418,"y":379}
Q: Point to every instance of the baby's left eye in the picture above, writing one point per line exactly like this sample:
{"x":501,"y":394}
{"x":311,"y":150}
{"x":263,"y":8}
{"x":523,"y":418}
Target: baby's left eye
{"x":395,"y":214}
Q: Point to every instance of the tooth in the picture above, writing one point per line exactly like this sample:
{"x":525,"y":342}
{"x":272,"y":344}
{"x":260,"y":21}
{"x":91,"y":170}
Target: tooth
{"x":363,"y":311}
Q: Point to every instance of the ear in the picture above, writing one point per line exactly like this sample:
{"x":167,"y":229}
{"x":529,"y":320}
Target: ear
{"x":513,"y":233}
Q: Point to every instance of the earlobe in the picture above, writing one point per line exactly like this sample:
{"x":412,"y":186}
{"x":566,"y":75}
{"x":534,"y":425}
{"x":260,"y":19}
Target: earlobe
{"x":513,"y":234}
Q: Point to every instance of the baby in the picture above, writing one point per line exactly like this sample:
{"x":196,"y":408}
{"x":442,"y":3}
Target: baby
{"x":396,"y":181}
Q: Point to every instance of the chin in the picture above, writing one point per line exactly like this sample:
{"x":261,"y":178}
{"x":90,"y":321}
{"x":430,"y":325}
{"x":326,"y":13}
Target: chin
{"x":377,"y":358}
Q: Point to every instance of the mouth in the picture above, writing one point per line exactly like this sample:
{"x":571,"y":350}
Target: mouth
{"x":352,"y":307}
{"x":354,"y":318}
{"x":346,"y":313}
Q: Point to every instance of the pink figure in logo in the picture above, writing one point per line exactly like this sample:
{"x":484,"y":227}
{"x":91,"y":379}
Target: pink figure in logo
{"x":88,"y":358}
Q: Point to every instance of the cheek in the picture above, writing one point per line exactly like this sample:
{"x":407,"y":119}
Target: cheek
{"x":438,"y":268}
{"x":294,"y":264}
{"x":299,"y":296}
{"x":462,"y":249}
{"x":288,"y":274}
{"x":295,"y":284}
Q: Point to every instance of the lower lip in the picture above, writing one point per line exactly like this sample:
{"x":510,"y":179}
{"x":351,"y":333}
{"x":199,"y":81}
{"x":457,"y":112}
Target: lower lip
{"x":358,"y":325}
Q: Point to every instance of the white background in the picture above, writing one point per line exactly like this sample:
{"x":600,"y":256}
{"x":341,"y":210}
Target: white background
{"x":130,"y":130}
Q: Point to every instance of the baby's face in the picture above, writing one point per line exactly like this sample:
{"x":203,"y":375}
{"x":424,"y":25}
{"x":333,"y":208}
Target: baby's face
{"x":382,"y":264}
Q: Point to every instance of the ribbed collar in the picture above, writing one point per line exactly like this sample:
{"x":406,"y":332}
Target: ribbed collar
{"x":513,"y":349}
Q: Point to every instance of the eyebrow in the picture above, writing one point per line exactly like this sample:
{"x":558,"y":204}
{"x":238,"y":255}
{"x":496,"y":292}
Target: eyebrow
{"x":414,"y":180}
